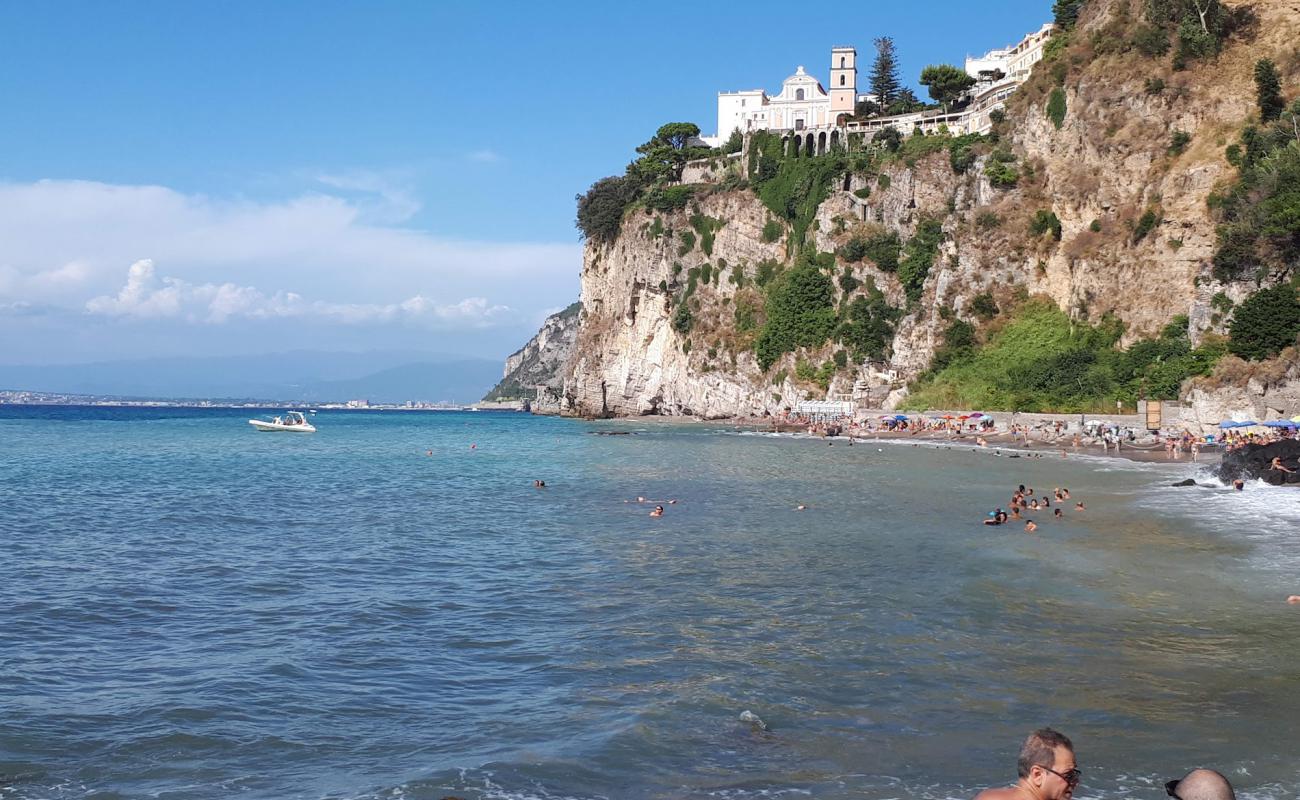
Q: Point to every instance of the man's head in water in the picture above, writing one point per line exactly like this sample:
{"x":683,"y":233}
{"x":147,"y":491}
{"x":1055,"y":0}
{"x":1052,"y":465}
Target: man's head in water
{"x":1046,"y":770}
{"x":1239,"y":484}
{"x":1201,"y":784}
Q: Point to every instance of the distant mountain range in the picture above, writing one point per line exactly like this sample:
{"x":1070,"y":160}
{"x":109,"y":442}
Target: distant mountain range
{"x":377,"y":376}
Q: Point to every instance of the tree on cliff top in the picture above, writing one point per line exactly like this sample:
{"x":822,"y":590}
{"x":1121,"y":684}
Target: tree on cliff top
{"x":884,"y":81}
{"x":946,"y":82}
{"x":1066,"y":13}
{"x":600,"y":210}
{"x":663,"y":157}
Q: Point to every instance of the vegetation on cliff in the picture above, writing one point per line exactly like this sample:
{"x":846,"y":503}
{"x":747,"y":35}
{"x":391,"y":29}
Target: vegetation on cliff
{"x":1038,"y":359}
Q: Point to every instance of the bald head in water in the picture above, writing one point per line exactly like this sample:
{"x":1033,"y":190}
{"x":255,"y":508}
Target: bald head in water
{"x":1204,"y":784}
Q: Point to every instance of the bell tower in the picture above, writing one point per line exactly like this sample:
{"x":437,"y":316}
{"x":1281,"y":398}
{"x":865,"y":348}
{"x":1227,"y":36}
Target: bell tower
{"x":844,"y":80}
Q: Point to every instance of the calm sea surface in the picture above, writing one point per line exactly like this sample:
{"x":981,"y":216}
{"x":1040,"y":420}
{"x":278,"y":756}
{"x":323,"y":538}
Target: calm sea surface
{"x":191,"y":609}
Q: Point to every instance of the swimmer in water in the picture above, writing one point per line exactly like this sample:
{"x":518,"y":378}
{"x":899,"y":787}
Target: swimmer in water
{"x":1294,"y":599}
{"x":539,"y":484}
{"x":658,"y":512}
{"x":1078,"y":506}
{"x":800,"y":507}
{"x":1057,"y":513}
{"x":1030,"y":527}
{"x":1239,"y":484}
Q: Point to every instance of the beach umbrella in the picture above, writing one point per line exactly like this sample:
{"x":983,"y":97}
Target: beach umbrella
{"x":900,"y":417}
{"x":1279,"y":423}
{"x":1295,"y":419}
{"x":975,"y":414}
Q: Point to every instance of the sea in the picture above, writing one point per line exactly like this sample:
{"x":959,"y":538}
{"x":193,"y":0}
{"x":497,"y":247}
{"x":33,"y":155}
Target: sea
{"x":389,"y":608}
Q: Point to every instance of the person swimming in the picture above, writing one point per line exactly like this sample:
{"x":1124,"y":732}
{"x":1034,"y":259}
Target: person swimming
{"x":1057,"y":513}
{"x":1078,"y":506}
{"x":1030,"y":527}
{"x":540,"y":484}
{"x":658,"y":512}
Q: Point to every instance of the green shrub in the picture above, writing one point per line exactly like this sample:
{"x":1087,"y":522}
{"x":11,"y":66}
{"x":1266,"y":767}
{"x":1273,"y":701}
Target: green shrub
{"x":1045,"y":221}
{"x":737,"y":276}
{"x":987,"y":220}
{"x":841,"y":359}
{"x":868,"y":326}
{"x":882,"y":249}
{"x":669,"y":198}
{"x":767,"y":270}
{"x":800,"y":313}
{"x":848,"y":282}
{"x":1056,"y":107}
{"x":1154,"y":86}
{"x":997,"y":116}
{"x":600,"y":210}
{"x":706,"y":227}
{"x":1265,"y":323}
{"x":682,"y":319}
{"x":746,"y":314}
{"x":918,"y":257}
{"x":706,"y":272}
{"x":1221,"y":302}
{"x":1145,"y":224}
{"x":688,"y":243}
{"x":862,"y":193}
{"x":1151,"y":41}
{"x":1001,"y":171}
{"x":772,"y":231}
{"x":1095,"y":226}
{"x":854,"y":250}
{"x":984,"y":306}
{"x":882,"y":180}
{"x":1178,"y":142}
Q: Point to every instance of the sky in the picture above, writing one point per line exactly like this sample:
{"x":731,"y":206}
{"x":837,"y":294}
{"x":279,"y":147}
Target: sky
{"x":225,"y":178}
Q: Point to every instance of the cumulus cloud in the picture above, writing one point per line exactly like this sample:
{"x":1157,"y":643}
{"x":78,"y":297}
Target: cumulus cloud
{"x":63,"y":244}
{"x":146,"y":295}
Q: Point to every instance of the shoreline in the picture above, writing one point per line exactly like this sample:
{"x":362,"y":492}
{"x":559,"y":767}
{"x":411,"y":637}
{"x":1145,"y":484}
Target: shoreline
{"x":998,"y":440}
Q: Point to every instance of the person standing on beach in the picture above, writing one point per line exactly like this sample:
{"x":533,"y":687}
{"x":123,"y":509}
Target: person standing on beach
{"x":1046,"y":767}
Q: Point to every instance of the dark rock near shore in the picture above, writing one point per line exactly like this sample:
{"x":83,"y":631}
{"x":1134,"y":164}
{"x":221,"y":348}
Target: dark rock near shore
{"x":1188,"y":482}
{"x":1253,"y":461}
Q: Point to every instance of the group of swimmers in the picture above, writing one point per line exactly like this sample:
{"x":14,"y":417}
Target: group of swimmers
{"x":1023,"y":499}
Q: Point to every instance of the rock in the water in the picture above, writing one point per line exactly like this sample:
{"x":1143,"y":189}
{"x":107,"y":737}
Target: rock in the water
{"x":753,"y":720}
{"x":1253,"y":461}
{"x":1188,"y":482}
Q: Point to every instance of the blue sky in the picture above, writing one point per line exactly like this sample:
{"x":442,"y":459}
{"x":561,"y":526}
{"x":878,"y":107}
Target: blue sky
{"x":209,"y":177}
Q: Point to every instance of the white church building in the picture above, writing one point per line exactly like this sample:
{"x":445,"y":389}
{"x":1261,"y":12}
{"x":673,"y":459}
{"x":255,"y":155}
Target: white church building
{"x":802,"y":102}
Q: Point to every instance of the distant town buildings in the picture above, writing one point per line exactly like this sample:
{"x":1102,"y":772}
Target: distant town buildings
{"x":804,"y":104}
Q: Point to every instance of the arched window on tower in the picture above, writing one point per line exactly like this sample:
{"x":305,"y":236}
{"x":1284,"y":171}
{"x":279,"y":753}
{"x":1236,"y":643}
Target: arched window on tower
{"x":798,"y":94}
{"x":841,"y":80}
{"x":841,"y":62}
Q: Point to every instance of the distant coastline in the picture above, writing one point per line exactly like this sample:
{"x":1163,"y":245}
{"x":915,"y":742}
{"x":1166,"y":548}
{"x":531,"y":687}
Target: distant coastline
{"x":11,"y":397}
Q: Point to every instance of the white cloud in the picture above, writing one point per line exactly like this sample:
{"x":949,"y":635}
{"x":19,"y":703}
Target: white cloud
{"x":484,"y":156}
{"x":63,"y":244}
{"x":145,"y":295}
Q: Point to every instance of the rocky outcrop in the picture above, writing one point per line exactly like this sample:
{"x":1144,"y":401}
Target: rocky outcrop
{"x":1107,"y":166}
{"x":535,"y":372}
{"x":1256,"y":461}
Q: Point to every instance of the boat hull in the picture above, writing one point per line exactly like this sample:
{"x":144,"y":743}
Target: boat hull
{"x":274,"y":427}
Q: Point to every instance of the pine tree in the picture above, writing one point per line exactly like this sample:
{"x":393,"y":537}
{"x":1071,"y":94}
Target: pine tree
{"x":1268,"y":90}
{"x":884,"y":73}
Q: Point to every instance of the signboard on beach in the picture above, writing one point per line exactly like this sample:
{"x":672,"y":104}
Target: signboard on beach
{"x":1153,"y":414}
{"x":825,"y":409}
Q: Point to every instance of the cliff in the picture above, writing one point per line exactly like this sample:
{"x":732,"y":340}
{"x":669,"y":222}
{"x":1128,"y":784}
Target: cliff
{"x":534,"y":372}
{"x":1095,"y":192}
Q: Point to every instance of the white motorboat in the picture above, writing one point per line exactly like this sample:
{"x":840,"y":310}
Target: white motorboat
{"x":292,"y":422}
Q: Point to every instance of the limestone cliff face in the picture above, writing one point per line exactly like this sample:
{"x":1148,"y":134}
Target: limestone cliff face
{"x":535,"y":371}
{"x":1108,"y":164}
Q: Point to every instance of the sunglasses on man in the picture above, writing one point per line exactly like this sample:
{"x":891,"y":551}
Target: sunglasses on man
{"x":1071,"y":777}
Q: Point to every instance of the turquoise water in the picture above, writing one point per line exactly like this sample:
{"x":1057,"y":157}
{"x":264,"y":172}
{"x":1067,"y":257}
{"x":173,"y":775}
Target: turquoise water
{"x":192,"y":609}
